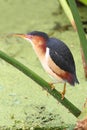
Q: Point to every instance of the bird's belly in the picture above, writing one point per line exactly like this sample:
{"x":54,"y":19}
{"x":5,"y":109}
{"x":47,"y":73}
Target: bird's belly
{"x":52,"y":74}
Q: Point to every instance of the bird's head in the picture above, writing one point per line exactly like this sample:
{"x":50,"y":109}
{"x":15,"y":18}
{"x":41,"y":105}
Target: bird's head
{"x":38,"y":41}
{"x":36,"y":38}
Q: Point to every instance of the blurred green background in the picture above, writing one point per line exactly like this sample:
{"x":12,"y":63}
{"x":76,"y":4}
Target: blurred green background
{"x":23,"y":103}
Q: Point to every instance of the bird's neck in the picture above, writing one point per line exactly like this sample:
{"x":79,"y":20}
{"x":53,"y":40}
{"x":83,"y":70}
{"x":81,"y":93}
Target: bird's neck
{"x":40,"y":50}
{"x":39,"y":46}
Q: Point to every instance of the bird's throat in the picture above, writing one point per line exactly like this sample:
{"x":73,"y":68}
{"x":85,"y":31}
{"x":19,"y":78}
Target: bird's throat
{"x":40,"y":50}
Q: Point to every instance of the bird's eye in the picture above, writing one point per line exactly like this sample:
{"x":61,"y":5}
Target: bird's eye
{"x":30,"y":36}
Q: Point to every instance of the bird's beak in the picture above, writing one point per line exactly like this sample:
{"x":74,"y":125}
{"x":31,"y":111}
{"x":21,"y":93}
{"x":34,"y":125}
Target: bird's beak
{"x":25,"y":36}
{"x":21,"y":35}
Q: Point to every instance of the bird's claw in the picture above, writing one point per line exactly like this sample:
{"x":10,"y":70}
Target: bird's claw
{"x":62,"y":95}
{"x":52,"y":86}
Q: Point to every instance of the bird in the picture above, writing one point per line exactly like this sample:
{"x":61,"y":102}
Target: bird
{"x":55,"y":57}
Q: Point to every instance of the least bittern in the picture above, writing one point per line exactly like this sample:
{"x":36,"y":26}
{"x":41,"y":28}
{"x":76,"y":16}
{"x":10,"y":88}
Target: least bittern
{"x":55,"y":57}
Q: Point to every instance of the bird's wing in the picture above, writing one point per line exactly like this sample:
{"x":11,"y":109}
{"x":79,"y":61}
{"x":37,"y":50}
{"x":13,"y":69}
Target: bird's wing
{"x":61,"y":55}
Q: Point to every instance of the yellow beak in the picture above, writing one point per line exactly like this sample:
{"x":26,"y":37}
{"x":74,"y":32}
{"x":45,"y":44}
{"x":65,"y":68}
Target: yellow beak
{"x":20,"y":35}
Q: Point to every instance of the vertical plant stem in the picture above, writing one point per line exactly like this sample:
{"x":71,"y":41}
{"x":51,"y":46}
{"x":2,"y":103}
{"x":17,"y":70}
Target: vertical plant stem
{"x":80,"y":30}
{"x":68,"y":12}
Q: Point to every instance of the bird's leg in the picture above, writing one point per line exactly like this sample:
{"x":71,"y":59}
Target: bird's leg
{"x":63,"y":92}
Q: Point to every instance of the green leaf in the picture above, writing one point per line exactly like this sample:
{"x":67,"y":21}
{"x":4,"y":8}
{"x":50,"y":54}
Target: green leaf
{"x":83,"y":1}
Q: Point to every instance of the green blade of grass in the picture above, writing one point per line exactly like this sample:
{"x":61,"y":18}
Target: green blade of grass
{"x":80,"y":30}
{"x":72,"y":108}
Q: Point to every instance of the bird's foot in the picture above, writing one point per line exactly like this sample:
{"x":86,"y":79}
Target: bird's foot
{"x":62,"y":95}
{"x":63,"y":92}
{"x":52,"y":86}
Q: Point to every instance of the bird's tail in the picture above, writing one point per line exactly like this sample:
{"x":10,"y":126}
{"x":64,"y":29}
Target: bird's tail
{"x":76,"y":80}
{"x":73,"y":79}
